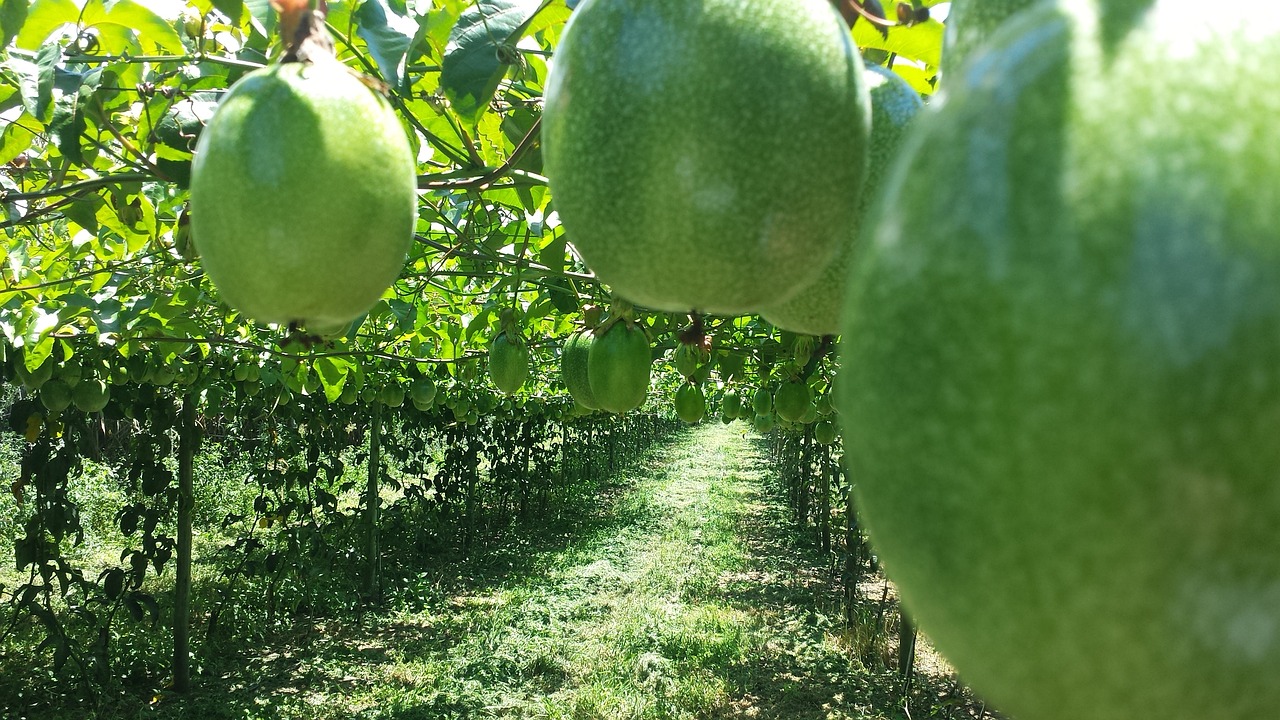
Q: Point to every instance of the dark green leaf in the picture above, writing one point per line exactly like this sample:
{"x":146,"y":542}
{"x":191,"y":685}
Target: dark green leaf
{"x":13,"y":15}
{"x":388,"y":36}
{"x":113,"y":583}
{"x":67,"y":127}
{"x":480,"y":46}
{"x":35,"y":81}
{"x":231,"y":8}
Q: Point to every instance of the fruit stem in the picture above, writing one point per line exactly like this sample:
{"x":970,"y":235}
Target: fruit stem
{"x":302,"y":29}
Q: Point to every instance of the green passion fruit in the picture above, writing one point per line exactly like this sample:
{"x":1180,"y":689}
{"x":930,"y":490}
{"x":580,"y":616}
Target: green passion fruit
{"x":1059,"y":385}
{"x":574,"y":368}
{"x":508,"y":363}
{"x":706,"y":155}
{"x":816,"y":309}
{"x":90,"y":395}
{"x":618,"y":368}
{"x":690,"y":403}
{"x":303,"y":195}
{"x":792,"y":400}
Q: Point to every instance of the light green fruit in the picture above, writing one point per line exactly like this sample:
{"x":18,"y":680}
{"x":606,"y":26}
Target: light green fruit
{"x":690,"y":403}
{"x":55,"y":396}
{"x":809,"y":415}
{"x":731,"y":403}
{"x":763,"y":423}
{"x":349,"y":395}
{"x":508,"y":363}
{"x":762,"y":402}
{"x":618,"y":368}
{"x":391,"y":395}
{"x":824,"y":431}
{"x":706,"y":155}
{"x":816,"y":309}
{"x":90,"y":395}
{"x":792,"y":400}
{"x":685,"y":359}
{"x":423,"y":392}
{"x":1059,"y":381}
{"x":70,"y":372}
{"x":823,"y":404}
{"x":574,"y":368}
{"x":303,"y":195}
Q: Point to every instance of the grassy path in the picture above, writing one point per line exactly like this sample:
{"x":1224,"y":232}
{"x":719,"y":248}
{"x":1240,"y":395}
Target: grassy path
{"x":683,"y":599}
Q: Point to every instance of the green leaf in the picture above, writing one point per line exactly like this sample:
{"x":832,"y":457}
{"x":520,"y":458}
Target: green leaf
{"x":478,"y":52}
{"x":151,"y":28}
{"x":231,"y":8}
{"x":13,"y":15}
{"x":333,"y":373}
{"x":35,"y":81}
{"x":67,"y":126}
{"x":17,"y":137}
{"x":43,"y":17}
{"x":922,"y":42}
{"x":388,"y":36}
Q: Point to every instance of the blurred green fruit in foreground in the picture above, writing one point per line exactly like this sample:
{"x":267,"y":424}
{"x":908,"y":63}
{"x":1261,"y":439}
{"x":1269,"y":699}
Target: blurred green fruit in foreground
{"x":1060,"y":386}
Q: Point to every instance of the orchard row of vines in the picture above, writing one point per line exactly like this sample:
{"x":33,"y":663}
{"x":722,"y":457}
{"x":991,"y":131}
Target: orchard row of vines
{"x":300,"y":473}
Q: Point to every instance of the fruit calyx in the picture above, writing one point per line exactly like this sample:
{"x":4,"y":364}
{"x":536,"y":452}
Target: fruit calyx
{"x":302,"y":29}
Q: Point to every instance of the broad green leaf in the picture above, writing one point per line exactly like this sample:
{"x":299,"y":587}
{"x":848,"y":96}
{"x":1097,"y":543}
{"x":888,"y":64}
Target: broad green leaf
{"x":921,"y":42}
{"x":35,"y":81}
{"x":481,"y":47}
{"x":333,"y":373}
{"x":152,"y":29}
{"x":13,"y":15}
{"x":43,"y":17}
{"x":916,"y":77}
{"x":17,"y":137}
{"x":388,"y":35}
{"x":233,"y":9}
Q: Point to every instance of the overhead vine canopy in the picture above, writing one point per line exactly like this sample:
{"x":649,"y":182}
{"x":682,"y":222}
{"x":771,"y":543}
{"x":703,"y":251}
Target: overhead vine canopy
{"x":102,"y":102}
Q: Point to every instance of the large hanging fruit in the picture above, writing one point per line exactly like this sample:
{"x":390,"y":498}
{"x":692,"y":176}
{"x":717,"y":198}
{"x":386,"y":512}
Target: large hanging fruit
{"x":303,"y":195}
{"x":706,"y":155}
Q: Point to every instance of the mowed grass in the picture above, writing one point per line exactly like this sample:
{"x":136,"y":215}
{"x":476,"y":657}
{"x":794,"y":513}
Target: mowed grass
{"x":684,"y":594}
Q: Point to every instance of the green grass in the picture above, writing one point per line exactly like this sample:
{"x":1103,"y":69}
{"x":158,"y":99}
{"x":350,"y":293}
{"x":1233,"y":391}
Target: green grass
{"x":684,"y":593}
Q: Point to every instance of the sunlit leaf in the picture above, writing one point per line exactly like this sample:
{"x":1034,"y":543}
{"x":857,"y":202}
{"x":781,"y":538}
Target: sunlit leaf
{"x":481,"y":47}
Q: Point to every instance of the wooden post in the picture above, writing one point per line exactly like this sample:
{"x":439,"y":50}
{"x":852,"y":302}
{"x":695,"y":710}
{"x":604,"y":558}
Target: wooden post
{"x":372,"y":504}
{"x":186,"y":504}
{"x":906,"y":649}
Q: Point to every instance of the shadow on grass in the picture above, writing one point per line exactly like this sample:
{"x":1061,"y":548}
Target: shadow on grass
{"x":815,"y":673}
{"x":276,"y":671}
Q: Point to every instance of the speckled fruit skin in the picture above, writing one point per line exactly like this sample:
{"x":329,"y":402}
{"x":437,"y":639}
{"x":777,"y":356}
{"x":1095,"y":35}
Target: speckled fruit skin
{"x":303,"y":195}
{"x":706,"y":155}
{"x":1060,"y":388}
{"x":574,"y":369}
{"x":816,"y":309}
{"x":969,"y":24}
{"x":618,"y":367}
{"x":690,"y":404}
{"x":792,"y":400}
{"x":508,"y":363}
